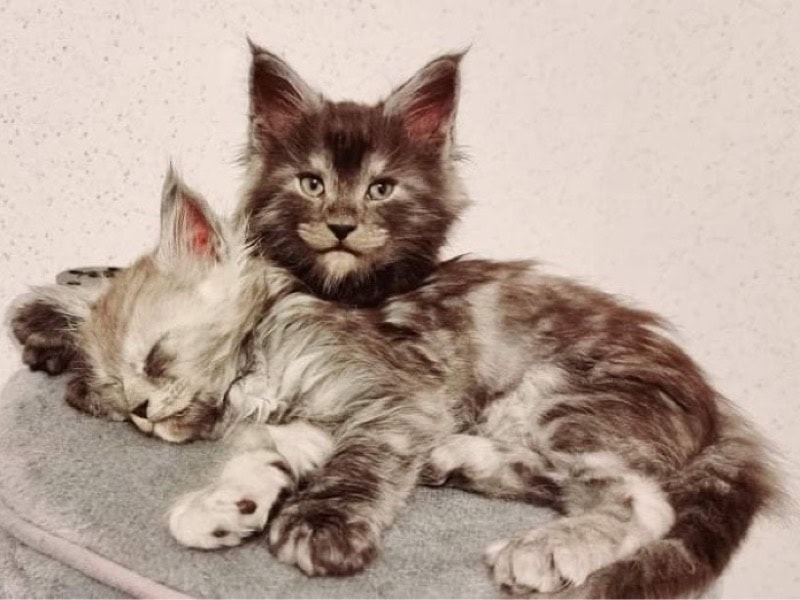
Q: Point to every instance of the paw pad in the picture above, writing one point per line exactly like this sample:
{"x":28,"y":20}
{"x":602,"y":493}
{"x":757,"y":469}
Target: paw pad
{"x":246,"y":506}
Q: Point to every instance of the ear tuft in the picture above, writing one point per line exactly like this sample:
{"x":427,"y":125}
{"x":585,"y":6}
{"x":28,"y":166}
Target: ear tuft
{"x":427,"y":102}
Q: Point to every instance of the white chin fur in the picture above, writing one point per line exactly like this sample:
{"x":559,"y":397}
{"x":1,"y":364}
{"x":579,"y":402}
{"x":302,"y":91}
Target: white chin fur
{"x":159,"y":430}
{"x":143,"y":424}
{"x":163,"y":432}
{"x":338,"y":264}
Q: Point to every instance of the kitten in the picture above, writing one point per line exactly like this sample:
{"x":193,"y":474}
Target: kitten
{"x":493,"y":377}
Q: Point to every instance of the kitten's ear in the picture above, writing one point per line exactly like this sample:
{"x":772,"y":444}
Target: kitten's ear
{"x":189,"y":228}
{"x":427,"y":102}
{"x":279,"y":98}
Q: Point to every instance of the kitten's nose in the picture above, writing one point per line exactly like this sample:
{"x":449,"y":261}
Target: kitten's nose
{"x":340,"y":231}
{"x":141,"y":410}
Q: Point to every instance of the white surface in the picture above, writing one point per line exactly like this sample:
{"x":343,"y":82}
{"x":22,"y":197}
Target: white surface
{"x":651,"y":148}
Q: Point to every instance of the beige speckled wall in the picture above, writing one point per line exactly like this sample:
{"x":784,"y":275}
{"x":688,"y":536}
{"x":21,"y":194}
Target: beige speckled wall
{"x":651,"y":148}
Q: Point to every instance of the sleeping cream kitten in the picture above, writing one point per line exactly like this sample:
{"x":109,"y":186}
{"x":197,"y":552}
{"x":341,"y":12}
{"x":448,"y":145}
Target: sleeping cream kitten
{"x":493,"y":377}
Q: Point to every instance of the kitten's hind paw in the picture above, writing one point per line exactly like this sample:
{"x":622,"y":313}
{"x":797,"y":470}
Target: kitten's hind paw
{"x":557,"y":557}
{"x":521,"y":568}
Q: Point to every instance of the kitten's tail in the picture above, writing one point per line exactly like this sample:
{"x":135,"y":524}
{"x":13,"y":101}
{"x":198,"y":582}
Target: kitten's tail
{"x":715,"y":498}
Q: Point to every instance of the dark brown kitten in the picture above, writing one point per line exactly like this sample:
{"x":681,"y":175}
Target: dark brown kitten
{"x":355,"y":200}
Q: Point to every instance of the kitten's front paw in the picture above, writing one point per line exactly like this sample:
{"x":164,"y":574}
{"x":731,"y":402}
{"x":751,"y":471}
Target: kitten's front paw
{"x":215,"y":518}
{"x":322,"y":539}
{"x":45,"y":335}
{"x":233,"y":509}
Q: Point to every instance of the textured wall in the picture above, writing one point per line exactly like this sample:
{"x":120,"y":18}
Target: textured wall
{"x":651,"y":148}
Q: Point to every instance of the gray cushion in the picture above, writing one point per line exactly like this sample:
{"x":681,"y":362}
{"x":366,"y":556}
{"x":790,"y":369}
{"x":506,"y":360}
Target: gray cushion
{"x":94,"y":495}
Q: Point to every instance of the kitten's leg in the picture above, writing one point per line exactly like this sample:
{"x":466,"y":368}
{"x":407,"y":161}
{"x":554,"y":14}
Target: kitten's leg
{"x":45,"y":323}
{"x":268,"y":461}
{"x":613,"y":512}
{"x":334,"y":525}
{"x":486,"y":466}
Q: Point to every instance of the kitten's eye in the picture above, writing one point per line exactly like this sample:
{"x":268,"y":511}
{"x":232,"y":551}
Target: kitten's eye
{"x":380,"y":190}
{"x":181,"y":413}
{"x":311,"y":185}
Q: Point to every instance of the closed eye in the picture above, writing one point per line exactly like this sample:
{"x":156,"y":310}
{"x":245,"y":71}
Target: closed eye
{"x":181,"y":413}
{"x":157,"y":361}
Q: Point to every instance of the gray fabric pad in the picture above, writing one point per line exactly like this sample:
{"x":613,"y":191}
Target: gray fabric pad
{"x":107,"y":488}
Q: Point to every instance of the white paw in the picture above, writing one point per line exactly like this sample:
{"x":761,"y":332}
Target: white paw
{"x":214,"y":519}
{"x":233,"y":509}
{"x":543,"y":561}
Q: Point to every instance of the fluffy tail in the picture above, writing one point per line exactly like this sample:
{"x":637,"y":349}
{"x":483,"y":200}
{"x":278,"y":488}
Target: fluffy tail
{"x":715,"y":498}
